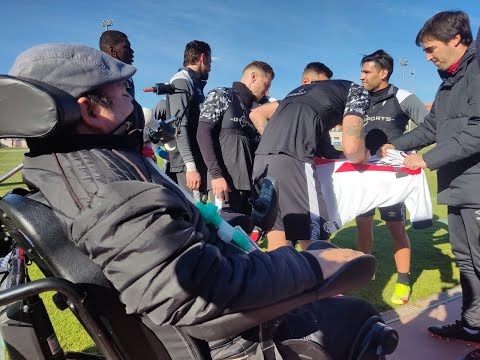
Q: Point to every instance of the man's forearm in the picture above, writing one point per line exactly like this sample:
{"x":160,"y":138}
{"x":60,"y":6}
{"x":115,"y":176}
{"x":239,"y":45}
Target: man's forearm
{"x":260,"y":122}
{"x":353,"y":139}
{"x":262,"y":114}
{"x":205,"y":134}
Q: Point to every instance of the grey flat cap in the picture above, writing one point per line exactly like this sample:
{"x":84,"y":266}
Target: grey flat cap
{"x":73,"y":68}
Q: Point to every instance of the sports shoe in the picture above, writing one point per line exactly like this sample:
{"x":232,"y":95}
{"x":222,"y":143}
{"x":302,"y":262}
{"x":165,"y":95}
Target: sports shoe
{"x":454,"y":331}
{"x":472,"y":355}
{"x":401,"y":294}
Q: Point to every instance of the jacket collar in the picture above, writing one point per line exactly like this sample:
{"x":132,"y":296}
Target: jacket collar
{"x":245,"y":94}
{"x":467,"y":58}
{"x":383,"y":94}
{"x":195,"y":77}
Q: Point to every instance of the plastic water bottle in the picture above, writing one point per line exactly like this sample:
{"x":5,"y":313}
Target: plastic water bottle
{"x":225,"y":231}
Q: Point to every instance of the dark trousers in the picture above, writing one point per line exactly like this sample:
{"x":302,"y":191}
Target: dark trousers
{"x":238,"y":201}
{"x":464,"y":232}
{"x":333,"y":323}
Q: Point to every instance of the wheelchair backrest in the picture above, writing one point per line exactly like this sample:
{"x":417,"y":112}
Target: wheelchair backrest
{"x":34,"y":110}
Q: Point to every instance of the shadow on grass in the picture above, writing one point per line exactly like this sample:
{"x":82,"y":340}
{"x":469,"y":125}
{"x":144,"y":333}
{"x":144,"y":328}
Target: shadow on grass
{"x":430,"y":251}
{"x":92,"y":350}
{"x":16,"y":183}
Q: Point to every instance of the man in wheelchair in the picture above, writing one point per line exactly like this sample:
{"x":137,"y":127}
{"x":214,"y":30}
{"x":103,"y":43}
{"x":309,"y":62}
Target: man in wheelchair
{"x":151,"y":243}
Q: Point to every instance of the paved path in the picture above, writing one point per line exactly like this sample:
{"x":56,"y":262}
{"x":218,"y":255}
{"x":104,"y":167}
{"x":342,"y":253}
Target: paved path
{"x":412,"y":320}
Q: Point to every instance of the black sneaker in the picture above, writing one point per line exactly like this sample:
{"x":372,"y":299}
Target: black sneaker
{"x":455,"y":331}
{"x":472,"y":355}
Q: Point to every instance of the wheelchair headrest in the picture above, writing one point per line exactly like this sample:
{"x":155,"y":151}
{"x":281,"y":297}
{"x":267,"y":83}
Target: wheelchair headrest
{"x":32,"y":109}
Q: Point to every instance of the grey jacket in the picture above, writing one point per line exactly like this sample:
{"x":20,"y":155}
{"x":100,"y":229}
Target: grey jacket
{"x":454,"y":125}
{"x":153,"y":245}
{"x":185,"y":103}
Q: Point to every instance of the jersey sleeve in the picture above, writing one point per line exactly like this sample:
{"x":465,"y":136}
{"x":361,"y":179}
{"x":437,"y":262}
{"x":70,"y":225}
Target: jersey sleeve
{"x":358,"y":101}
{"x":217,"y":102}
{"x":412,"y":106}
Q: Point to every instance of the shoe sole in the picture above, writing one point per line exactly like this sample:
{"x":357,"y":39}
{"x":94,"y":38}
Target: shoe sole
{"x":471,"y":343}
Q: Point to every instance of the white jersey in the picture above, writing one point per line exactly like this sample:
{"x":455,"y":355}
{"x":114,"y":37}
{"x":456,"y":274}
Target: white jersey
{"x":353,"y":189}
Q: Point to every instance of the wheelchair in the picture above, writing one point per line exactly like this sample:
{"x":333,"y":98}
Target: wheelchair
{"x":34,"y":234}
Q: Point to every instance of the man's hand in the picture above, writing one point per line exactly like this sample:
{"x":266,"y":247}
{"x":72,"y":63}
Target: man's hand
{"x":414,"y":161}
{"x":193,"y":179}
{"x":382,"y":152}
{"x":220,"y":189}
{"x":331,"y":260}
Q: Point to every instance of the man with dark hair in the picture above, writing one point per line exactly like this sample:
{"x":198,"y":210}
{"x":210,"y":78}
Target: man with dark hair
{"x":186,"y":162}
{"x":116,"y":44}
{"x":293,"y":137}
{"x":151,"y":242}
{"x":316,"y":71}
{"x":386,"y":119}
{"x":228,"y":139}
{"x":454,"y":125}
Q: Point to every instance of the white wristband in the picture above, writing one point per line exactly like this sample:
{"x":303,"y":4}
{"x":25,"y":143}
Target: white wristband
{"x":191,"y":166}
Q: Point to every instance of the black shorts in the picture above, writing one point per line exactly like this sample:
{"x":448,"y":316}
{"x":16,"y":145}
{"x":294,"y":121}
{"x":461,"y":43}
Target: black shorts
{"x":301,"y":208}
{"x":389,"y":213}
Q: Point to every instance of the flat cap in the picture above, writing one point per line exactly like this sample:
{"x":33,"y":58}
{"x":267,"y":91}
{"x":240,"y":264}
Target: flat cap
{"x":76,"y":69}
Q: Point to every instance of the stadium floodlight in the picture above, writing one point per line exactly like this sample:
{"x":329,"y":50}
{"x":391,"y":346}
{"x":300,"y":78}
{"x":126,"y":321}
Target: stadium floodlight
{"x":107,"y":23}
{"x":403,"y":63}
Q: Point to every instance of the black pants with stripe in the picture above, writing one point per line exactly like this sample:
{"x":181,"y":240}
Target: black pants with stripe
{"x":464,"y":232}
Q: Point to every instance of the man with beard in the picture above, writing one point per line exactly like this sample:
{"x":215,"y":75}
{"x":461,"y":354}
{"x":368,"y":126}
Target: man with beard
{"x":186,"y":161}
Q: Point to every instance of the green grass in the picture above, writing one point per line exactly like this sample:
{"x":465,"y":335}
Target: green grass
{"x":433,"y":268}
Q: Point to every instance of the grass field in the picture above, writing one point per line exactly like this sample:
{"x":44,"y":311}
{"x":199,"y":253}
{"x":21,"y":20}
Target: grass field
{"x":433,"y":267}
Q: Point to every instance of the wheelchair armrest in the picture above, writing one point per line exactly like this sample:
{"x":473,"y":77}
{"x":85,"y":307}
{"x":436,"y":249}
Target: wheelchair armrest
{"x":351,"y":276}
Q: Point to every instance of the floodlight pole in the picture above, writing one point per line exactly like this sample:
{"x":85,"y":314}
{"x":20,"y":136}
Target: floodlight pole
{"x":107,"y":23}
{"x":403,"y":63}
{"x":412,"y":72}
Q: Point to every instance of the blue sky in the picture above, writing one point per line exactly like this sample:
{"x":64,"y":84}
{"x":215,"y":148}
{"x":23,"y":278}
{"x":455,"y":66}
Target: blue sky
{"x":286,"y":34}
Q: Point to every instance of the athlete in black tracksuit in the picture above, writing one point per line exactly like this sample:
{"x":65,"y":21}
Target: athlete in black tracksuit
{"x":291,"y":140}
{"x":228,"y":139}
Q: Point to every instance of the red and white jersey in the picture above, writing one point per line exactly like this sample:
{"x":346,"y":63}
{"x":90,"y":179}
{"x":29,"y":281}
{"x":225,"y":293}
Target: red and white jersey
{"x":353,"y":189}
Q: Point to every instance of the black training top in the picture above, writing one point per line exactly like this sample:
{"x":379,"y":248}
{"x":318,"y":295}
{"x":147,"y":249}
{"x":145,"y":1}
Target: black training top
{"x":297,"y":126}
